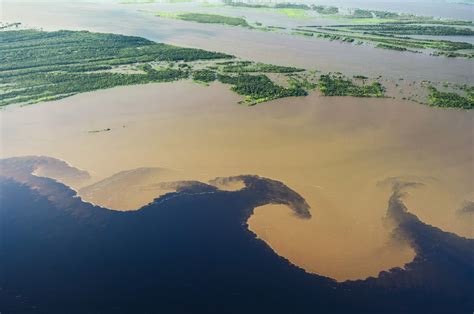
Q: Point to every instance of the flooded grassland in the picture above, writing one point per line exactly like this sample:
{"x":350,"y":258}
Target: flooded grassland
{"x":248,"y":44}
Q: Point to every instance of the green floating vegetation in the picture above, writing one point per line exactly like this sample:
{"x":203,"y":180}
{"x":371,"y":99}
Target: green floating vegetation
{"x":259,"y":88}
{"x":450,"y":99}
{"x":259,"y":67}
{"x":204,"y":75}
{"x":406,"y":18}
{"x":433,"y":21}
{"x":276,"y":27}
{"x":356,"y":15}
{"x":334,"y":33}
{"x":411,"y":29}
{"x":391,"y":47}
{"x":469,"y":90}
{"x":343,"y":38}
{"x":338,"y":85}
{"x":307,"y":34}
{"x":385,"y":29}
{"x":452,"y":54}
{"x":204,"y":18}
{"x":38,"y":66}
{"x":213,"y":19}
{"x":324,"y":35}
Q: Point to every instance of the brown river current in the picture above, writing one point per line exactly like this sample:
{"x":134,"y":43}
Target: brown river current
{"x":336,"y":152}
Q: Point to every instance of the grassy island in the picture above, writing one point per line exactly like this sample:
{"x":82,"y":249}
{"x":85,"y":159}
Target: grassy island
{"x":37,"y":66}
{"x":213,"y":19}
{"x":412,"y":29}
{"x":205,"y":18}
{"x":259,"y":88}
{"x":259,"y":67}
{"x":450,"y":99}
{"x":338,"y":85}
{"x":382,"y":29}
{"x":204,"y":75}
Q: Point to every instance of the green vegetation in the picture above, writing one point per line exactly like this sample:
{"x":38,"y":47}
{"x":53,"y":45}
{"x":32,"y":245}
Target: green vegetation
{"x":204,"y":75}
{"x":356,"y":15}
{"x":386,"y":41}
{"x":244,"y":5}
{"x":259,"y":67}
{"x":411,"y":29}
{"x":386,"y":15}
{"x":258,"y":88}
{"x":294,"y":13}
{"x":383,"y":29}
{"x":407,"y":18}
{"x":338,"y":85}
{"x":307,"y":34}
{"x":343,"y":38}
{"x":292,"y":6}
{"x":324,"y":9}
{"x":324,"y":35}
{"x":203,"y":18}
{"x":361,"y":14}
{"x":451,"y":54}
{"x":450,"y":99}
{"x":213,"y":19}
{"x":433,"y":21}
{"x":294,"y":10}
{"x":390,"y":47}
{"x":387,"y":30}
{"x":38,"y":66}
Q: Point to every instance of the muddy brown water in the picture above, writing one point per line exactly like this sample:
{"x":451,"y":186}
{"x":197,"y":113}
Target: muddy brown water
{"x":333,"y":151}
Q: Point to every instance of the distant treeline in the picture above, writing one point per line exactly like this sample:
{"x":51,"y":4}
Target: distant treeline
{"x":321,"y":9}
